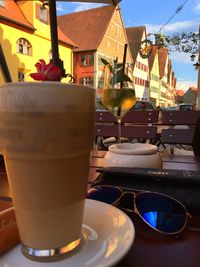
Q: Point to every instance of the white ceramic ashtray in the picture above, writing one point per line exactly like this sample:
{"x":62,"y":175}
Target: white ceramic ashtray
{"x":133,"y":155}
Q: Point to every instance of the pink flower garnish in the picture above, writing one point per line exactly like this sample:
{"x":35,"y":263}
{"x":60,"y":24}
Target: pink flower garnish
{"x":46,"y":72}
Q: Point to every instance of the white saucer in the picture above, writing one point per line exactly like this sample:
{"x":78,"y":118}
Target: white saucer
{"x":108,"y":235}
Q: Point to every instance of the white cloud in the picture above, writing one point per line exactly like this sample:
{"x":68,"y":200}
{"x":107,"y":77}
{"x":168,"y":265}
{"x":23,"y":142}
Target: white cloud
{"x":179,"y":26}
{"x":85,"y":6}
{"x":60,"y":8}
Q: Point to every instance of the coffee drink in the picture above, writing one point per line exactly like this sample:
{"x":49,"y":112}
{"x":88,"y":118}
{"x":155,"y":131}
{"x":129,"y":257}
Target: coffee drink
{"x":46,"y":135}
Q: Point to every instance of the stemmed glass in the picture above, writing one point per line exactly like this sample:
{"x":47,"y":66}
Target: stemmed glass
{"x":118,"y":96}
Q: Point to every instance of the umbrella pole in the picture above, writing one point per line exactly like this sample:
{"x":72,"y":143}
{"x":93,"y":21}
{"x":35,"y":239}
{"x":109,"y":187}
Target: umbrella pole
{"x":54,"y":35}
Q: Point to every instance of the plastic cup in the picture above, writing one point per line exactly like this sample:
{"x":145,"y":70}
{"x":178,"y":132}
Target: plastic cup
{"x":46,"y":135}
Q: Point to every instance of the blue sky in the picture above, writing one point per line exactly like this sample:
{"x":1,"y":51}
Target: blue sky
{"x":154,"y":14}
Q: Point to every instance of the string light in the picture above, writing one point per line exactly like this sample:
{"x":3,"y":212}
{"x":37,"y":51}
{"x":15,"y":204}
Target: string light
{"x":178,"y":9}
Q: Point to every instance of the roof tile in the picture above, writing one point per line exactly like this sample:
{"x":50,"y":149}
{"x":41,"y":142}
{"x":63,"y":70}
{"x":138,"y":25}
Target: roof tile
{"x":162,"y":57}
{"x":87,"y":28}
{"x":12,"y":12}
{"x":134,"y":35}
{"x":152,"y":56}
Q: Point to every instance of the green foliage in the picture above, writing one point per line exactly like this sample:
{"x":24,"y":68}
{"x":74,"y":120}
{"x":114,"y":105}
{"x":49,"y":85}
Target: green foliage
{"x":118,"y":74}
{"x":184,"y":42}
{"x":180,"y":42}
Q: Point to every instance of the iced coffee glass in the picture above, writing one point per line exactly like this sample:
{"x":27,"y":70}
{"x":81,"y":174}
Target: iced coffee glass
{"x":46,"y":135}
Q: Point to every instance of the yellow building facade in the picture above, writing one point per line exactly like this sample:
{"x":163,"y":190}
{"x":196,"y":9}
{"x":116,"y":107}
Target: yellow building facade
{"x":155,"y":82}
{"x":25,"y":39}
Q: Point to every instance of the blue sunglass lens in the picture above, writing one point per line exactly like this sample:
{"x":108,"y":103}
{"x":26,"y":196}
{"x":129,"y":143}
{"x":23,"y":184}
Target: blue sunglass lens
{"x":105,"y":194}
{"x":161,"y":212}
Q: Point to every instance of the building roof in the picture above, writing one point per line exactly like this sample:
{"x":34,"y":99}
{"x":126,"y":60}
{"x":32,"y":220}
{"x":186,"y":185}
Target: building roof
{"x":152,"y":56}
{"x":180,"y":92}
{"x":134,"y":35}
{"x":162,"y":57}
{"x":169,"y":72}
{"x":11,"y":12}
{"x":65,"y":39}
{"x":87,"y":28}
{"x":194,"y":89}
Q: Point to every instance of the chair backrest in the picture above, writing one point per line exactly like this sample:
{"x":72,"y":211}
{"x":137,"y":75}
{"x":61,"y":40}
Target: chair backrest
{"x":106,"y":130}
{"x":105,"y":116}
{"x":140,"y":126}
{"x":180,"y":117}
{"x":139,"y":131}
{"x":182,"y":125}
{"x":141,"y":117}
{"x":196,"y":138}
{"x":177,"y":136}
{"x":128,"y":131}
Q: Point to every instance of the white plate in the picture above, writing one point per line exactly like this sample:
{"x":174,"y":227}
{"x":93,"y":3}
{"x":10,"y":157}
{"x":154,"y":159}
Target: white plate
{"x":108,"y":235}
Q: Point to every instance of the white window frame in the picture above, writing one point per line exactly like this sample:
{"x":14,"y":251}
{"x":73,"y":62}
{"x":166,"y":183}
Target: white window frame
{"x":87,"y":60}
{"x":24,"y":47}
{"x":87,"y":81}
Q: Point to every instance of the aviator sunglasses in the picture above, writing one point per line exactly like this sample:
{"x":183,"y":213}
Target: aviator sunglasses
{"x":161,"y":212}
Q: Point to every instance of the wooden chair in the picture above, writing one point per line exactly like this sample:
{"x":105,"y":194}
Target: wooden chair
{"x":181,"y":127}
{"x":180,"y":117}
{"x":106,"y":126}
{"x":128,"y":131}
{"x":136,"y":125}
{"x":141,"y":117}
{"x":105,"y":116}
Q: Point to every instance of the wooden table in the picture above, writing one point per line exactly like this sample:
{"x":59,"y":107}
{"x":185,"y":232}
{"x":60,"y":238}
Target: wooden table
{"x":151,"y":249}
{"x":176,"y":162}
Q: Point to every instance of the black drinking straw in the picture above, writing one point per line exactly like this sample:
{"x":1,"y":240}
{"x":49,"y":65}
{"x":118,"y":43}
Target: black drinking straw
{"x":4,"y":66}
{"x":123,"y":70}
{"x":124,"y":63}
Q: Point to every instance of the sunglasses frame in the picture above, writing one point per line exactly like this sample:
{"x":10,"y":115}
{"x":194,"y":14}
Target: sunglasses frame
{"x":125,"y":191}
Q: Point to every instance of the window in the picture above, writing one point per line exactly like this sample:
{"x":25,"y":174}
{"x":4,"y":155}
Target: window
{"x":21,"y":76}
{"x":107,"y":43}
{"x":87,"y":81}
{"x":42,"y":13}
{"x":2,"y":3}
{"x":87,"y":60}
{"x":116,"y":30}
{"x":154,"y":77}
{"x":24,"y":47}
{"x":154,"y":89}
{"x":116,"y":46}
